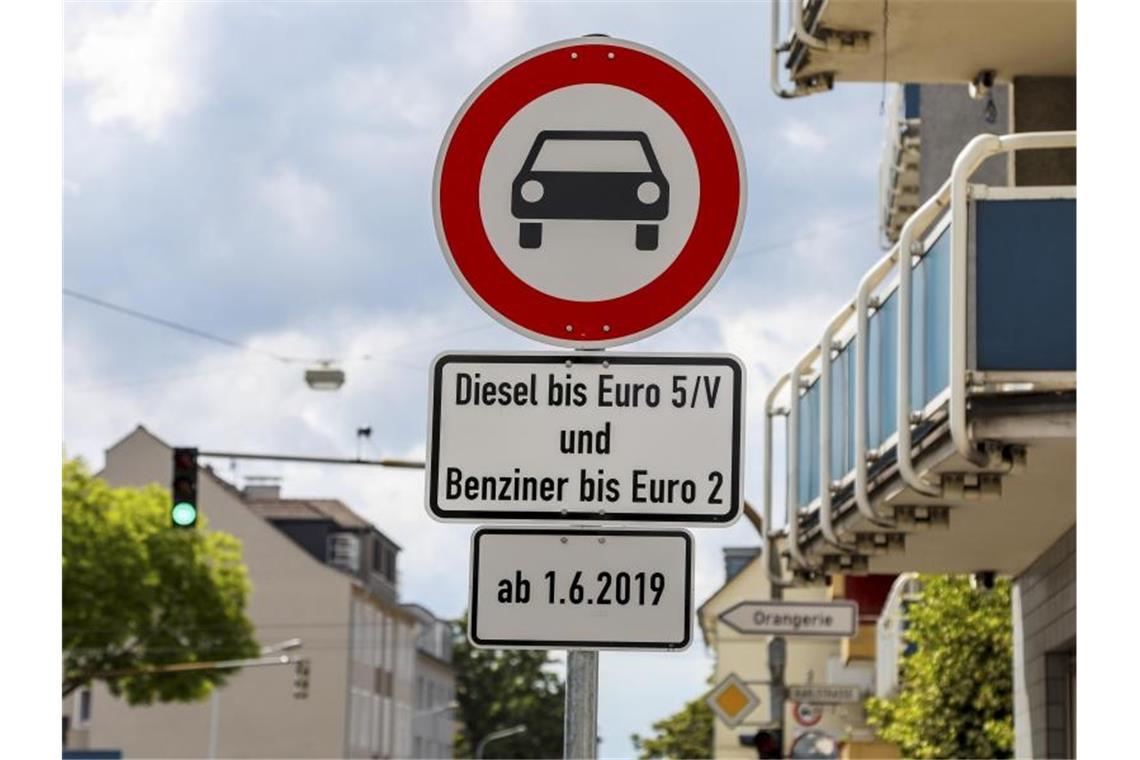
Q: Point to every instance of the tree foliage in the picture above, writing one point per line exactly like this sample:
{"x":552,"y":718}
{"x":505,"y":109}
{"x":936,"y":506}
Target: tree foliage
{"x":687,"y":733}
{"x":501,"y":688}
{"x":956,"y":689}
{"x":138,"y":593}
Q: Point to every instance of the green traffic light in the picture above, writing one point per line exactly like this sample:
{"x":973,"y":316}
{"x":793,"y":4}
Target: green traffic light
{"x":184,"y":514}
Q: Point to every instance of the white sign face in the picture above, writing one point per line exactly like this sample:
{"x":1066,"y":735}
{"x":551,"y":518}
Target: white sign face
{"x":557,"y":135}
{"x":589,"y":192}
{"x":825,"y":694}
{"x":535,"y":588}
{"x":835,"y":619}
{"x":586,"y":437}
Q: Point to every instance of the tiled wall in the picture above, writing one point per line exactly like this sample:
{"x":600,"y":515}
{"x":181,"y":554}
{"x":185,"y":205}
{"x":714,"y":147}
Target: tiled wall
{"x":1044,"y":632}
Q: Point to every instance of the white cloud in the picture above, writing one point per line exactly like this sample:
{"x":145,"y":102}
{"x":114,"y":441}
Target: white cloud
{"x":800,"y":134}
{"x":138,"y":65}
{"x":489,"y":33}
{"x":306,"y":207}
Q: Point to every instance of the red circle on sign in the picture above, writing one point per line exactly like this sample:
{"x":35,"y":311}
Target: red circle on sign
{"x":807,"y":714}
{"x":630,"y":316}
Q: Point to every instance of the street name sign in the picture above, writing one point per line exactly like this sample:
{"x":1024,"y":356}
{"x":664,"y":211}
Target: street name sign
{"x":839,"y":619}
{"x":586,"y":437}
{"x":537,"y":588}
{"x":732,"y":700}
{"x":825,"y":694}
{"x":589,"y":193}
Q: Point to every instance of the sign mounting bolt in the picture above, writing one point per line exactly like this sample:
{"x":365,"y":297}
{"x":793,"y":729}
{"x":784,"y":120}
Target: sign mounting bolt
{"x":605,"y":328}
{"x":569,"y":328}
{"x":564,"y":539}
{"x":574,"y":55}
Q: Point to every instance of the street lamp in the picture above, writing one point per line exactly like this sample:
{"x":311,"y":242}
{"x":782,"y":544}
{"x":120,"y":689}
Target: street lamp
{"x":324,"y":377}
{"x":282,"y":646}
{"x":493,"y":736}
{"x":452,"y":705}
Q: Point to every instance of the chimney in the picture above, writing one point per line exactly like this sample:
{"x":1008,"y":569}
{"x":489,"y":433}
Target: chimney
{"x":262,"y":488}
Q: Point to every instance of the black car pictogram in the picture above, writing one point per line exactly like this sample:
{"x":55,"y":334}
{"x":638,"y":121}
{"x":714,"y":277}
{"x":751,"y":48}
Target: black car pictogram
{"x":590,"y":175}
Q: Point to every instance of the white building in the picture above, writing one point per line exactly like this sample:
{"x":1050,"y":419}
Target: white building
{"x":361,"y":643}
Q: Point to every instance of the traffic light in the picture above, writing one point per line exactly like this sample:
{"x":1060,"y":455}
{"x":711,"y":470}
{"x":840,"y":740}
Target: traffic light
{"x":769,"y":743}
{"x":184,"y":489}
{"x":301,"y":679}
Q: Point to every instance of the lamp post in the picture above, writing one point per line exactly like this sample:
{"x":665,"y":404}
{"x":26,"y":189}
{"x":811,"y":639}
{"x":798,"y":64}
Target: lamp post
{"x":495,"y":735}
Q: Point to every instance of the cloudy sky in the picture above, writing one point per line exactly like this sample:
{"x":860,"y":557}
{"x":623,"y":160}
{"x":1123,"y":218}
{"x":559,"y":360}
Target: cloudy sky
{"x":263,"y":172}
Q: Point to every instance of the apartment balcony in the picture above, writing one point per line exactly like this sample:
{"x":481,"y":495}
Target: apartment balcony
{"x":829,"y":41}
{"x":932,"y":426}
{"x":899,"y":188}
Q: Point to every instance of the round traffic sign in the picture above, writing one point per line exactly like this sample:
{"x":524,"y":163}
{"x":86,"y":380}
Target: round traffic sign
{"x":589,"y":193}
{"x":807,"y":714}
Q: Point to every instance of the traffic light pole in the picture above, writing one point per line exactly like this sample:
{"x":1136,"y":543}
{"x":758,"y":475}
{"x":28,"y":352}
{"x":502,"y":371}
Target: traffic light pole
{"x":398,"y":463}
{"x":777,"y":658}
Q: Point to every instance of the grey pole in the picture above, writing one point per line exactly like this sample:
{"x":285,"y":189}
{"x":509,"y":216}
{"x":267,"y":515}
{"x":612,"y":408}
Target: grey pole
{"x":777,"y":654}
{"x":496,"y":735}
{"x":580,"y":734}
{"x":215,"y":716}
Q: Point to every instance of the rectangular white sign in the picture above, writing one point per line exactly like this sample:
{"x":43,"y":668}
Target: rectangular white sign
{"x":838,"y":619}
{"x":538,"y":588}
{"x":586,"y":437}
{"x":825,"y":694}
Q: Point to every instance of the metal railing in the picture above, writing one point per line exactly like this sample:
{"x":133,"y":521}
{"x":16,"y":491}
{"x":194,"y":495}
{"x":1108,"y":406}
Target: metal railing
{"x":814,"y":38}
{"x":953,"y":197}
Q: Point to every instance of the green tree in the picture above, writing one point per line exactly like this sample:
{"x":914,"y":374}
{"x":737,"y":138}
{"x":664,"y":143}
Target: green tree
{"x":138,"y":593}
{"x":501,"y":688}
{"x":687,"y":733}
{"x":956,"y":690}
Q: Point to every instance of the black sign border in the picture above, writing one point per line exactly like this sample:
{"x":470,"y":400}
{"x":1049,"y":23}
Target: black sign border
{"x":473,"y":597}
{"x":723,"y":617}
{"x":579,"y":516}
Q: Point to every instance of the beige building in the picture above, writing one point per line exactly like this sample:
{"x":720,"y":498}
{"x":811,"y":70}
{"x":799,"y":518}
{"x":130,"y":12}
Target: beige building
{"x":809,"y":660}
{"x":361,"y":643}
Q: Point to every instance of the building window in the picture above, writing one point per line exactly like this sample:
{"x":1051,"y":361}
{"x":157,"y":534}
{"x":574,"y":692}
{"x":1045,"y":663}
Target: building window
{"x":83,"y":707}
{"x":390,"y":565}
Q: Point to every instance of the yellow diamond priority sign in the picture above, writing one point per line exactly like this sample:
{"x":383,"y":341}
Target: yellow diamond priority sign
{"x":732,"y":700}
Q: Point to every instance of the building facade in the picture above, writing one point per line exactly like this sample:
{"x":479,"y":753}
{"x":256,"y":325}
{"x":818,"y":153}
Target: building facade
{"x":342,"y":604}
{"x":932,"y":427}
{"x":810,"y":660}
{"x":434,"y":725}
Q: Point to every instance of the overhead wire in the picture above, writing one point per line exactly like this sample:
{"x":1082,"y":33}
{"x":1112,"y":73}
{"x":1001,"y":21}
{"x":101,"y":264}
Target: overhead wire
{"x":235,"y":344}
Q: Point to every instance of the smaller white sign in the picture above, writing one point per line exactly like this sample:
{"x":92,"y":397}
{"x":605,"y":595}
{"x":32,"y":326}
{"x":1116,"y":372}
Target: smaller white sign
{"x":778,"y":618}
{"x":586,"y":438}
{"x":825,"y":694}
{"x":535,"y":588}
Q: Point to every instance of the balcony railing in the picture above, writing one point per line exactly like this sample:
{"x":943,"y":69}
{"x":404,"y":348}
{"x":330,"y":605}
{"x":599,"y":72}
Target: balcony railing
{"x":976,"y":299}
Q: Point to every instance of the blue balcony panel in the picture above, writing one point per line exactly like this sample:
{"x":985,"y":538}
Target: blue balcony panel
{"x":842,"y":404}
{"x":930,"y":324}
{"x":807,"y":489}
{"x":1026,"y":269}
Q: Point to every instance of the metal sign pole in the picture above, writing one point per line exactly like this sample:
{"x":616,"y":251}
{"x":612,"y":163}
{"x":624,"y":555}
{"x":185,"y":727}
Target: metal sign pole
{"x":580,"y":734}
